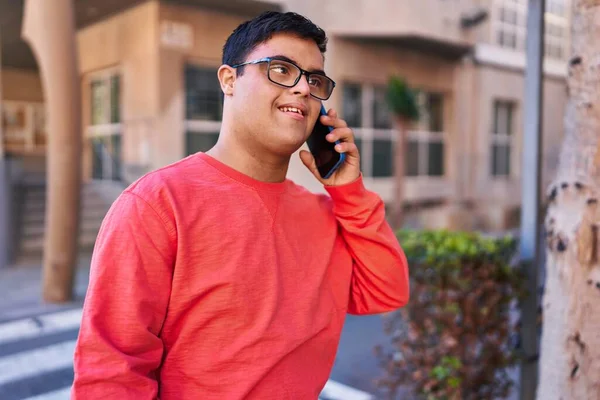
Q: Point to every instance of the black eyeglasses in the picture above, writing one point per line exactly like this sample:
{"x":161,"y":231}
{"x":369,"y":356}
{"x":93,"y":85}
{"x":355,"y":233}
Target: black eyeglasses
{"x":287,"y":74}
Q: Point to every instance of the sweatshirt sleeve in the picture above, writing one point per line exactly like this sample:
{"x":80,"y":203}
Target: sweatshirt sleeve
{"x":380,"y":270}
{"x":118,"y":349}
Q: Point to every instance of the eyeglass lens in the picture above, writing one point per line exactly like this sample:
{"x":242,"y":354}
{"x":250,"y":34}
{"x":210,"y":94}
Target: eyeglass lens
{"x":287,"y":74}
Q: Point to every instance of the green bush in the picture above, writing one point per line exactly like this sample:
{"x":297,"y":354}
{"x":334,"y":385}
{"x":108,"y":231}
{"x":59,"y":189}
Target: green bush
{"x":452,"y":340}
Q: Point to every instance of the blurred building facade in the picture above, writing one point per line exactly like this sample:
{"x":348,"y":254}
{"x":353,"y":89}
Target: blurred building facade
{"x":151,"y":96}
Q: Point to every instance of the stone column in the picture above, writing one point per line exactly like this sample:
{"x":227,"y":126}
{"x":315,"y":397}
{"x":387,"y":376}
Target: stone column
{"x":49,"y":28}
{"x":4,"y":187}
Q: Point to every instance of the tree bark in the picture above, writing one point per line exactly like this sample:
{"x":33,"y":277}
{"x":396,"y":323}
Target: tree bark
{"x":399,"y":173}
{"x":570,"y":345}
{"x":49,"y":28}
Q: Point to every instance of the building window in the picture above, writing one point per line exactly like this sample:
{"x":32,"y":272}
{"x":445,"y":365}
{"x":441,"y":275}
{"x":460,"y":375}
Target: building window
{"x":104,"y":130}
{"x":382,"y":164}
{"x":352,"y":104}
{"x":204,"y":108}
{"x":365,"y":110}
{"x":557,"y":7}
{"x":502,"y":137}
{"x":204,"y":99}
{"x":426,"y":141}
{"x":556,"y":37}
{"x":510,"y":23}
{"x":382,"y":118}
{"x":106,"y":157}
{"x":106,"y":99}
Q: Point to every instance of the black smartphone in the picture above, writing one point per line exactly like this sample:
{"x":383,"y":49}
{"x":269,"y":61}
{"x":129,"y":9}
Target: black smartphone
{"x":326,"y":157}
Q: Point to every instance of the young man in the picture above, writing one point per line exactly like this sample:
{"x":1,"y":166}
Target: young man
{"x":218,"y":278}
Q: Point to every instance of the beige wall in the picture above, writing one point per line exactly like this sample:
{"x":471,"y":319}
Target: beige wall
{"x":505,"y":84}
{"x":348,"y":60}
{"x":467,"y":88}
{"x":425,"y":18}
{"x":484,"y":32}
{"x":210,"y":30}
{"x":21,"y":85}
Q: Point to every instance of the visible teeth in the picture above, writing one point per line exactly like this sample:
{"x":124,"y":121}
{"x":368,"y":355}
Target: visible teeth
{"x":291,"y":109}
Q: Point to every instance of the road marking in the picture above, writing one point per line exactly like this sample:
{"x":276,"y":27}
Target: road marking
{"x":336,"y":391}
{"x":34,"y":362}
{"x":62,"y":394}
{"x":27,"y":328}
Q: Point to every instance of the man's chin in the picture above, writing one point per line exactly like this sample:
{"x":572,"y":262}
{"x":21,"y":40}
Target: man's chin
{"x":288,"y":147}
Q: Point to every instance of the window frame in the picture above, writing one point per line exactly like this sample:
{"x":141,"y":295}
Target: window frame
{"x":106,"y":131}
{"x":556,"y":47}
{"x":198,"y":126}
{"x":367,"y":134}
{"x":503,"y":139}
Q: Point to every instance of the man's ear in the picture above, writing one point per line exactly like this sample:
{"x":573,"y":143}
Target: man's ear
{"x":227,"y":76}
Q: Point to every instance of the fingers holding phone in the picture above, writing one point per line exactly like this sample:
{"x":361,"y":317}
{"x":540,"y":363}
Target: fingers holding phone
{"x":340,"y":133}
{"x":335,"y":157}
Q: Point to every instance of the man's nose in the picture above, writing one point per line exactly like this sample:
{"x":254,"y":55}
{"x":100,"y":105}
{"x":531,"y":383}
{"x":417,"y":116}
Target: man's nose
{"x":302,"y":87}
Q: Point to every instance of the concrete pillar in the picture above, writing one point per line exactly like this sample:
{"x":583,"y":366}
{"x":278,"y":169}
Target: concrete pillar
{"x":4,"y":188}
{"x":5,"y":205}
{"x":49,"y":28}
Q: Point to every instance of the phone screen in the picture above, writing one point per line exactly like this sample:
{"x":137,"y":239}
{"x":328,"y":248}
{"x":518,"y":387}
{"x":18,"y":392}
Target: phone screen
{"x":326,"y":157}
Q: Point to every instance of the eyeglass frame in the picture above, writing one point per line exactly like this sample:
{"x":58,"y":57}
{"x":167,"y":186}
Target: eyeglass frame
{"x":303,"y":72}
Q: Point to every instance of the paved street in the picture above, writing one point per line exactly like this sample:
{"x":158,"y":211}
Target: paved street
{"x":36,"y":356}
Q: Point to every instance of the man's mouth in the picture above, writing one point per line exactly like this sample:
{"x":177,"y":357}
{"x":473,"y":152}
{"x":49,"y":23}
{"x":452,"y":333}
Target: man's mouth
{"x":291,"y":110}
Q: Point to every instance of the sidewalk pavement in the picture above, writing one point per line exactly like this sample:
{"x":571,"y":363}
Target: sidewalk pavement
{"x":21,"y":289}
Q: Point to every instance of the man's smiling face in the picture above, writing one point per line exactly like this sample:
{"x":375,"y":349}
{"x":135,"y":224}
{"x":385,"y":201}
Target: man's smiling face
{"x":279,"y":119}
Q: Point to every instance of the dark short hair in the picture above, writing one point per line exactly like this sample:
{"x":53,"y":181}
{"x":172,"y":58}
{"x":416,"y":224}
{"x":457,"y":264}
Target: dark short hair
{"x":246,"y":37}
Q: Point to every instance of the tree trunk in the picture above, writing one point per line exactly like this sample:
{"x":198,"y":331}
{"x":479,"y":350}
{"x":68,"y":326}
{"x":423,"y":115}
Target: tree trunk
{"x":49,"y":28}
{"x":399,"y":173}
{"x":570,"y":345}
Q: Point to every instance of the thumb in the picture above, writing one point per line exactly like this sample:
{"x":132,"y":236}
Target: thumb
{"x":309,"y":162}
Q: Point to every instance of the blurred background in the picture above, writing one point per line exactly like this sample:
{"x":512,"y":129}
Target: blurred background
{"x":149,"y":96}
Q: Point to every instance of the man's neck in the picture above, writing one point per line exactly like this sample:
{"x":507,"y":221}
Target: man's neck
{"x":260,"y":166}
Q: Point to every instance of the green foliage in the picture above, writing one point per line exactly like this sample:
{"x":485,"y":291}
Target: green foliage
{"x":452,"y":340}
{"x":402,"y":99}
